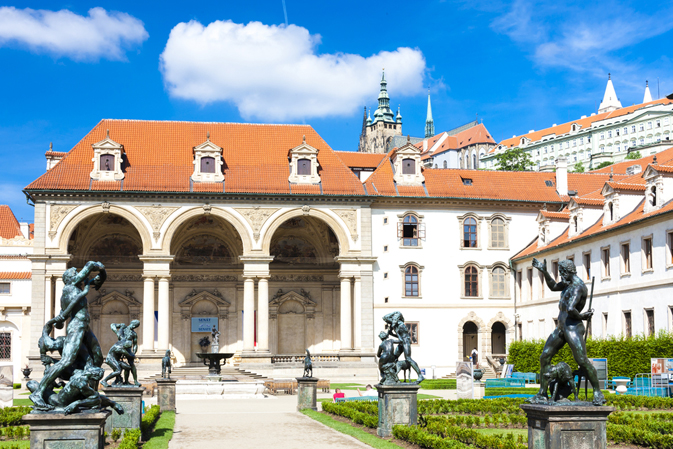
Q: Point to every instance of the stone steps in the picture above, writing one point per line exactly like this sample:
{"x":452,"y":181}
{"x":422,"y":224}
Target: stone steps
{"x":201,"y":372}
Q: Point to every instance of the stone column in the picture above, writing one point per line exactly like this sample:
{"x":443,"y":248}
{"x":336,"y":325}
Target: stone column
{"x":148,"y":314}
{"x":249,"y":314}
{"x":357,"y":313}
{"x":47,"y":299}
{"x":263,"y":314}
{"x":346,"y":314}
{"x":57,"y":304}
{"x":164,"y":313}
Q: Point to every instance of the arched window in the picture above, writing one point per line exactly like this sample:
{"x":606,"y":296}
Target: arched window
{"x":411,"y":281}
{"x":612,"y":215}
{"x":471,"y":281}
{"x":654,"y":195}
{"x":207,"y":165}
{"x":410,"y":231}
{"x":474,"y":161}
{"x":469,"y":233}
{"x":499,"y":282}
{"x":107,"y":162}
{"x":498,"y":233}
{"x":445,"y":164}
{"x":408,"y":167}
{"x":575,"y":223}
{"x":303,"y":167}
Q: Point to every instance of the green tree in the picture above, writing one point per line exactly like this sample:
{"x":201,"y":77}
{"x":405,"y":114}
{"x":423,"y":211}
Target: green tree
{"x":603,"y":165}
{"x":633,"y":155}
{"x":578,"y":168}
{"x":514,"y":159}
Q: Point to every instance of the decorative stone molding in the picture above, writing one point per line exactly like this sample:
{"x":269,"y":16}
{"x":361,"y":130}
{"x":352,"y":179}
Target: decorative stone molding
{"x":216,"y":297}
{"x":306,"y":209}
{"x":204,"y":278}
{"x":133,"y":305}
{"x":56,"y":215}
{"x":407,"y":163}
{"x":296,"y":278}
{"x":256,"y":216}
{"x":304,"y":154}
{"x":213,"y":153}
{"x":304,"y":299}
{"x":106,"y":207}
{"x":156,"y":215}
{"x":350,"y":217}
{"x":207,"y":208}
{"x":125,"y":277}
{"x":107,"y":160}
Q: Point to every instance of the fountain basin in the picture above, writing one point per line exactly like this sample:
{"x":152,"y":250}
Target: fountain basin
{"x":212,"y":361}
{"x":203,"y":389}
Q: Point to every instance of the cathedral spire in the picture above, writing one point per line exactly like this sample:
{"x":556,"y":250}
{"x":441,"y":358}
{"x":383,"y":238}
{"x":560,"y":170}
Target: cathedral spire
{"x":648,"y":96}
{"x":429,"y":123}
{"x":610,"y":101}
{"x":384,"y":113}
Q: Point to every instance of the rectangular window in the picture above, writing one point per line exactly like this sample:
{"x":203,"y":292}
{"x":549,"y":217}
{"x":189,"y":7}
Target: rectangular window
{"x":669,"y":238}
{"x":602,"y":137}
{"x":617,"y":132}
{"x":627,"y":325}
{"x":642,"y":141}
{"x":649,"y":324}
{"x":5,"y":346}
{"x":412,"y":327}
{"x":574,"y":142}
{"x":518,"y":285}
{"x":626,"y":258}
{"x":207,"y":165}
{"x":520,"y":329}
{"x":107,"y":162}
{"x":605,"y":324}
{"x":554,"y":269}
{"x":633,"y":128}
{"x":571,"y":258}
{"x":626,"y":130}
{"x":610,"y":134}
{"x":5,"y":288}
{"x":649,"y":125}
{"x":605,"y":260}
{"x":641,"y":127}
{"x":647,"y":253}
{"x":529,"y":279}
{"x":586,"y":260}
{"x":408,"y":167}
{"x":304,"y":167}
{"x":658,"y":123}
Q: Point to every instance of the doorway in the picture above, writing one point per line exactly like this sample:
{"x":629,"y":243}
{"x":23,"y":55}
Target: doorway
{"x":498,"y":342}
{"x":470,"y":333}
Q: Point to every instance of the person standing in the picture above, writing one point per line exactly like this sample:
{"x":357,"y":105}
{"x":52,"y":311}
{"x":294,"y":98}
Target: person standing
{"x":475,"y":358}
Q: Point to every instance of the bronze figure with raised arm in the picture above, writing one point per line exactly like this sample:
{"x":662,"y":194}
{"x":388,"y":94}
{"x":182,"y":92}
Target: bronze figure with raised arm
{"x":570,"y":328}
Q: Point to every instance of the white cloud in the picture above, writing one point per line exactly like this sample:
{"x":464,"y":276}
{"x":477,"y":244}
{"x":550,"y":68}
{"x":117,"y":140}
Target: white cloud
{"x":274,"y":73}
{"x":100,"y":35}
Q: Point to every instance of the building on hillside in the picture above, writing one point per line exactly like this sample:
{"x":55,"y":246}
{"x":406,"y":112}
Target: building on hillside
{"x":621,"y":235}
{"x":460,"y":150}
{"x":608,"y":136}
{"x":282,"y":260}
{"x":16,"y":246}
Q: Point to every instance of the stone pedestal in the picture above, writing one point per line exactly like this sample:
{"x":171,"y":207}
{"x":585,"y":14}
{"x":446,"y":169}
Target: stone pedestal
{"x":397,"y":405}
{"x":131,"y":399}
{"x":214,"y":349}
{"x":479,"y":389}
{"x":166,"y":394}
{"x":561,"y":427}
{"x":6,"y":396}
{"x":60,"y":431}
{"x":307,"y":388}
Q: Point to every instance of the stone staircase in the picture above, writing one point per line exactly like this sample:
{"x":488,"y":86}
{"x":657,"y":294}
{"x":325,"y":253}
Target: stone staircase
{"x":195,"y":371}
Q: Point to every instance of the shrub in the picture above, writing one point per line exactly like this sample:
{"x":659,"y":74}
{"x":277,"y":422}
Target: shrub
{"x":130,"y":440}
{"x":149,"y":418}
{"x":116,"y":434}
{"x":347,"y":410}
{"x":626,"y":356}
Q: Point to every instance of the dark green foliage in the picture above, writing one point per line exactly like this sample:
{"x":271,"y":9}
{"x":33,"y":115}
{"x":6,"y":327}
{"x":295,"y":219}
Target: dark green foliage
{"x":130,"y":440}
{"x":633,"y":155}
{"x":626,"y":356}
{"x":416,"y":435}
{"x":149,"y":418}
{"x":603,"y":165}
{"x":578,"y":168}
{"x":17,"y":386}
{"x":471,"y":406}
{"x":116,"y":434}
{"x":350,"y":411}
{"x":514,"y":159}
{"x":11,"y":416}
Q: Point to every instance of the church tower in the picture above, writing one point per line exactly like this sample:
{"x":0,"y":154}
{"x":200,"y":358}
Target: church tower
{"x":377,"y":134}
{"x":648,"y":96}
{"x":429,"y":123}
{"x":610,"y":101}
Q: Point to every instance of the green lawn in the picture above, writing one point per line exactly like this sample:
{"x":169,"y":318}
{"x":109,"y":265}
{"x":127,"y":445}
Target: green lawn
{"x":18,"y":402}
{"x":420,"y":396}
{"x":347,"y":429}
{"x":23,"y":444}
{"x":163,"y":432}
{"x":346,"y":386}
{"x":516,"y":432}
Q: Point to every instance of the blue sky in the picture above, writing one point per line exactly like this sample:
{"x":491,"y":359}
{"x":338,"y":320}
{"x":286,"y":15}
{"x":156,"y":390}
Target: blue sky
{"x":519,"y":65}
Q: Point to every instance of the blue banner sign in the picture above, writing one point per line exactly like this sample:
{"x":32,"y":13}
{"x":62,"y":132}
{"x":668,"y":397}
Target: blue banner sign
{"x":204,"y":324}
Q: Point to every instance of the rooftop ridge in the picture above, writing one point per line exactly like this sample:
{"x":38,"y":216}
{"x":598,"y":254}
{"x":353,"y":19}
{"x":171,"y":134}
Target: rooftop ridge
{"x":206,"y":123}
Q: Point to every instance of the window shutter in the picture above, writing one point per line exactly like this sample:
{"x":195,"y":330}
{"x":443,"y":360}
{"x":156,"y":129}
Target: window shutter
{"x":400,"y":230}
{"x":421,"y":231}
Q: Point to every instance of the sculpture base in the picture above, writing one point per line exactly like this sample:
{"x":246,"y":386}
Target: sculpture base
{"x":57,"y":430}
{"x":398,"y":404}
{"x":560,"y":426}
{"x":131,"y":399}
{"x":479,"y":389}
{"x":6,"y":396}
{"x":307,"y":388}
{"x":166,"y":394}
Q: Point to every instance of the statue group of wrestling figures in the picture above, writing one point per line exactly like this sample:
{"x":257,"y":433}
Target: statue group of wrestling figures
{"x":395,"y":341}
{"x":81,"y":356}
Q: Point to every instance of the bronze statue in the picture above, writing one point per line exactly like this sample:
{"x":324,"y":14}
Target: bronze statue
{"x":397,"y":328}
{"x":570,"y":328}
{"x":122,"y":355}
{"x":216,"y":336}
{"x":166,"y":365}
{"x":387,"y":359}
{"x":308,"y":365}
{"x":561,"y":382}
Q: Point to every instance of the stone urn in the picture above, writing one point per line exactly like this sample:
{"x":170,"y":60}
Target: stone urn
{"x":478,"y":374}
{"x":26,"y":372}
{"x":621,"y":385}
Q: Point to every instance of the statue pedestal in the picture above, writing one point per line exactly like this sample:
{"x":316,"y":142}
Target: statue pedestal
{"x":479,"y":389}
{"x":397,"y":405}
{"x":131,"y":399}
{"x":6,"y":396}
{"x":214,"y":349}
{"x":560,"y":427}
{"x":307,"y":388}
{"x":166,"y":394}
{"x":55,"y":430}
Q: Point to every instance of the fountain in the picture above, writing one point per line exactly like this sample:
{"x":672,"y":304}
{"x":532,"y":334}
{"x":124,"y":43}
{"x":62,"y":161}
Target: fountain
{"x":212,"y":361}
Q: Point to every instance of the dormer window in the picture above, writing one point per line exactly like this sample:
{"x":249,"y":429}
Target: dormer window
{"x":304,"y":164}
{"x":107,"y":160}
{"x":653,"y":196}
{"x":408,"y":167}
{"x":208,"y":162}
{"x":612,"y":212}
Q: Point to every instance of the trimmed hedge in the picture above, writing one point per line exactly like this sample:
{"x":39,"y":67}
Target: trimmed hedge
{"x":626,"y":356}
{"x":349,"y":411}
{"x":416,"y":435}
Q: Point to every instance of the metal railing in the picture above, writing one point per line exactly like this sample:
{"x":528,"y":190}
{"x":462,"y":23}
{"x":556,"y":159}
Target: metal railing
{"x":299,"y":358}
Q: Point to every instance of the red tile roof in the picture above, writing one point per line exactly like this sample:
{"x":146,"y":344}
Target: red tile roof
{"x":9,"y":225}
{"x":621,"y":167}
{"x":586,"y":122}
{"x":354,"y":159}
{"x":565,"y":215}
{"x":160,"y":158}
{"x":470,"y":136}
{"x":55,"y":153}
{"x":10,"y":275}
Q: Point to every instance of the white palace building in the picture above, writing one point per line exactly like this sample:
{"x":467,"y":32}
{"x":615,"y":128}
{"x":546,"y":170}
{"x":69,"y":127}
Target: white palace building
{"x":271,"y":235}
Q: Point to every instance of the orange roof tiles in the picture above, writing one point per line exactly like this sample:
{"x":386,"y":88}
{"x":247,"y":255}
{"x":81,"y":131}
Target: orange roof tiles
{"x":9,"y":225}
{"x":159,"y":157}
{"x":621,"y":167}
{"x":354,"y":159}
{"x":549,"y":214}
{"x":11,"y":275}
{"x":586,"y":122}
{"x":470,"y":136}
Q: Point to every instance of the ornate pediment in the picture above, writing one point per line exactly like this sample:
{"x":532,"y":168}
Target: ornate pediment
{"x":156,"y":215}
{"x":126,"y":297}
{"x":195,"y":297}
{"x":304,"y":298}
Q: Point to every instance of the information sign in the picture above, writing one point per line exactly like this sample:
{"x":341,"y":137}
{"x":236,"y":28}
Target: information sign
{"x":204,"y":323}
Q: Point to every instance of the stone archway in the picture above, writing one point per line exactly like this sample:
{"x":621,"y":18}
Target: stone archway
{"x":292,"y":316}
{"x":203,"y":304}
{"x":500,"y":327}
{"x":479,"y":340}
{"x":470,"y":338}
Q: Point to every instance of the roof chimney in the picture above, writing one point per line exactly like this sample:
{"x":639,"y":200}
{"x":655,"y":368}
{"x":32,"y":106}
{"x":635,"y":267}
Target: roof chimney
{"x":562,"y":176}
{"x":25,"y":230}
